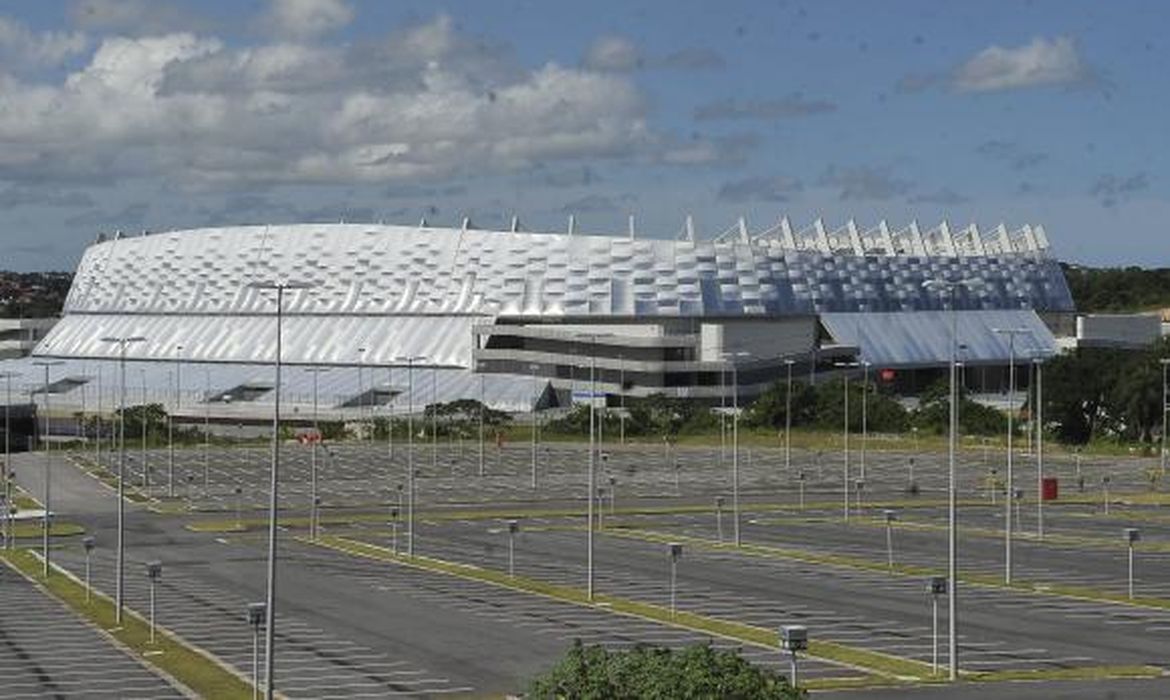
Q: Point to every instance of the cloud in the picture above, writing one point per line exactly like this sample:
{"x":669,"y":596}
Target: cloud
{"x":864,"y":182}
{"x":24,"y":196}
{"x":302,"y":19}
{"x":945,"y":196}
{"x":793,"y":105}
{"x":1011,"y":153}
{"x":597,"y":203}
{"x":1112,"y":190}
{"x":760,"y":189}
{"x":613,"y":53}
{"x":129,"y":217}
{"x":20,"y":46}
{"x":1039,"y":63}
{"x":692,"y":58}
{"x":581,"y":176}
{"x":423,"y":103}
{"x":133,"y":17}
{"x":919,"y":82}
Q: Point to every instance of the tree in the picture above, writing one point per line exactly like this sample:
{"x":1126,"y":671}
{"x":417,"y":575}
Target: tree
{"x":648,"y":672}
{"x":934,"y":412}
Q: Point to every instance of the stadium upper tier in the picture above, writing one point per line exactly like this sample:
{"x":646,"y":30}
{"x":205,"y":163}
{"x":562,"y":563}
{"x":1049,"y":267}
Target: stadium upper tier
{"x":417,"y":290}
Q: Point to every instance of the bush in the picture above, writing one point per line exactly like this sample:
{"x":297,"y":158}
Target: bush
{"x":649,"y":672}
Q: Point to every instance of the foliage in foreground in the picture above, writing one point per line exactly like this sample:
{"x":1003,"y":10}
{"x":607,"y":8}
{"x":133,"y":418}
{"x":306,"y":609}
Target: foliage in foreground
{"x":649,"y":672}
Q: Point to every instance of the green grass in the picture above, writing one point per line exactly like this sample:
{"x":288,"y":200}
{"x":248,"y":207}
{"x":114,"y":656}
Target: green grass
{"x":33,"y":529}
{"x":191,"y":667}
{"x":986,"y":581}
{"x":876,"y":663}
{"x":1082,"y":673}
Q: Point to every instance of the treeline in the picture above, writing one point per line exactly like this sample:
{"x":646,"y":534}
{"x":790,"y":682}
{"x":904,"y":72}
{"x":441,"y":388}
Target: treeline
{"x":820,"y":406}
{"x":1120,"y":289}
{"x":33,"y":294}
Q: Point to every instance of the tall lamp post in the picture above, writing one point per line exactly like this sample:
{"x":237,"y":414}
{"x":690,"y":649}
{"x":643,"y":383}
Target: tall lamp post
{"x":1038,"y":412}
{"x":314,"y":511}
{"x":119,"y":585}
{"x":1164,"y":362}
{"x":7,"y":514}
{"x":948,"y":289}
{"x":410,"y":360}
{"x":171,"y":421}
{"x":535,"y":406}
{"x":729,"y":358}
{"x":1011,"y":333}
{"x":273,"y":506}
{"x":47,"y":520}
{"x":845,"y":429}
{"x":788,"y":420}
{"x":592,"y":487}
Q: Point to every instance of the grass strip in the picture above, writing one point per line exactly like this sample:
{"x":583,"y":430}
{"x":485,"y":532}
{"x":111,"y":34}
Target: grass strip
{"x":1081,"y":673}
{"x":215,"y":525}
{"x":876,"y":663}
{"x":194,"y":668}
{"x":985,"y":581}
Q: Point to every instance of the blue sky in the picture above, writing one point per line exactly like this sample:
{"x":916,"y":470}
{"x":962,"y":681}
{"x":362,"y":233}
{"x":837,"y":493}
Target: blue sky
{"x":146,"y":114}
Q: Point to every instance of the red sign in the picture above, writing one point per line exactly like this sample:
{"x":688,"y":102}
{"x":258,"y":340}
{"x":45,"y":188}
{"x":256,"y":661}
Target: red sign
{"x":887,"y":375}
{"x":309,"y":437}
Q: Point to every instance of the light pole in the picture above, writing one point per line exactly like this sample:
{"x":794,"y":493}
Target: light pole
{"x":481,"y":410}
{"x":122,"y":342}
{"x":435,"y":419}
{"x":361,"y":397}
{"x":409,"y":360}
{"x":47,"y":520}
{"x":1038,"y":414}
{"x":171,"y":421}
{"x":145,"y":413}
{"x":938,"y":586}
{"x":513,"y":528}
{"x":1132,"y":535}
{"x":256,"y":615}
{"x":314,"y":502}
{"x":8,"y":514}
{"x":864,"y":415}
{"x":535,"y":406}
{"x":729,"y":358}
{"x":88,"y":544}
{"x":845,"y":431}
{"x":950,"y":288}
{"x":890,"y":516}
{"x":788,"y":420}
{"x":153,"y":572}
{"x":206,"y":427}
{"x":1164,"y":362}
{"x":794,"y":639}
{"x":390,"y":419}
{"x":676,"y":551}
{"x":1011,"y":333}
{"x":273,"y":505}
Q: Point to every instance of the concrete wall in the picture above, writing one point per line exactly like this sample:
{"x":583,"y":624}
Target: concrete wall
{"x":1122,"y":330}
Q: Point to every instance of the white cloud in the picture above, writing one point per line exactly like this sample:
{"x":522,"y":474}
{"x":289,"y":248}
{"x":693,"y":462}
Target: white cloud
{"x":427,"y":102}
{"x":306,"y":18}
{"x":21,"y":46}
{"x":1041,"y":62}
{"x":133,"y":17}
{"x":613,"y":53}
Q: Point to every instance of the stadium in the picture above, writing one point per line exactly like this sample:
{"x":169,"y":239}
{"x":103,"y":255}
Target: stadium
{"x":406,"y":316}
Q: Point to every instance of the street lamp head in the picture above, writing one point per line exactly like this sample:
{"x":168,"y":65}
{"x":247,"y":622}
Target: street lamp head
{"x":676,"y":550}
{"x":513,"y":526}
{"x":794,"y":638}
{"x":1132,"y":535}
{"x":890,"y":515}
{"x":88,"y":543}
{"x":154,"y":570}
{"x":256,"y":614}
